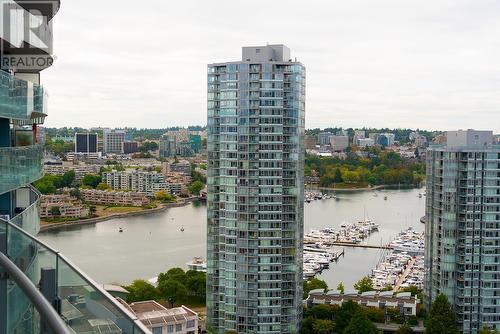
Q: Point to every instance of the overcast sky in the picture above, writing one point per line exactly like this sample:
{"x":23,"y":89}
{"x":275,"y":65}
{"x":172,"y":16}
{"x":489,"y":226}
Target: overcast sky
{"x":386,"y":63}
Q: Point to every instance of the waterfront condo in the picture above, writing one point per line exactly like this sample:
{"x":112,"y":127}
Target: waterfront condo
{"x":256,"y":112}
{"x":462,"y":223}
{"x":41,"y":291}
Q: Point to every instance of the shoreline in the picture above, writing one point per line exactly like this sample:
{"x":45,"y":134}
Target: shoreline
{"x":95,"y":220}
{"x":378,"y":187}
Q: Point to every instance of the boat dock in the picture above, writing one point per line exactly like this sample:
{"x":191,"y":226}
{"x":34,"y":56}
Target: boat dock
{"x":348,"y":244}
{"x":402,"y":279}
{"x":402,"y":264}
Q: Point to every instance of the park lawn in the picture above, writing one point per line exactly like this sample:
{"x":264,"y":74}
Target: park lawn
{"x":121,"y":209}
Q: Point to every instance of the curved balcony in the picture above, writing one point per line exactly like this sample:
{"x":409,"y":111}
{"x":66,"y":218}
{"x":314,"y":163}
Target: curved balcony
{"x":46,"y":7}
{"x":20,"y":166}
{"x":29,"y":218}
{"x":21,"y":99}
{"x":84,"y":306}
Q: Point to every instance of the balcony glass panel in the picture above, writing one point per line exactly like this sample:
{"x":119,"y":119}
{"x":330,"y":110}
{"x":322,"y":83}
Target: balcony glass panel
{"x":20,"y":98}
{"x":85,"y":307}
{"x":29,"y":218}
{"x":20,"y":166}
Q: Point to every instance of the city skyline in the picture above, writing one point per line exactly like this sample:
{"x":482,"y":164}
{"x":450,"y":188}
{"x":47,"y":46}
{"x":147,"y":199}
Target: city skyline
{"x":392,"y":64}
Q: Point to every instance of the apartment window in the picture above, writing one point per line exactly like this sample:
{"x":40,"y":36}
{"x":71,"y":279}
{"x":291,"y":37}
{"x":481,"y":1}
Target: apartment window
{"x":157,"y":330}
{"x":170,"y":328}
{"x":178,"y":327}
{"x":190,"y":324}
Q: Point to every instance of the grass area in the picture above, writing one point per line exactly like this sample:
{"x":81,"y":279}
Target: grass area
{"x":121,"y":209}
{"x":351,"y":185}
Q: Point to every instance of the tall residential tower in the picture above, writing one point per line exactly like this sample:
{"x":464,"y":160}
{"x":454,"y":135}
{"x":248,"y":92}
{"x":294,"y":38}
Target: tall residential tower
{"x":462,"y":256}
{"x":256,"y":112}
{"x":41,"y":291}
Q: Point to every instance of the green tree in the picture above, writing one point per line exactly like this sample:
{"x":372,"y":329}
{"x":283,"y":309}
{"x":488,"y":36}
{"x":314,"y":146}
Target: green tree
{"x":76,"y":193}
{"x":323,"y":311}
{"x":196,"y":285}
{"x":176,"y":274}
{"x":55,"y":211}
{"x":195,"y":187}
{"x":313,"y":284}
{"x":164,"y":196}
{"x":148,"y":146}
{"x":344,"y":315}
{"x":340,"y":287}
{"x":172,"y":291}
{"x":103,"y":186}
{"x":141,"y":290}
{"x":46,"y":187}
{"x":360,"y":324}
{"x":92,"y":209}
{"x":486,"y":330}
{"x":91,"y":180}
{"x":404,"y":329}
{"x":363,"y":285}
{"x":441,"y":318}
{"x":68,"y":178}
{"x":306,"y":327}
{"x":321,"y":326}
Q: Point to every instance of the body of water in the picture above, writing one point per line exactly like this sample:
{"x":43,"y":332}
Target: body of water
{"x":151,"y":244}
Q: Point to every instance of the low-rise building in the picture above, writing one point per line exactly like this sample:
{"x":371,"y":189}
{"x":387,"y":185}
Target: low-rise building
{"x":310,"y":142}
{"x":160,"y":320}
{"x":130,"y":147}
{"x":81,"y":169}
{"x":182,"y":166}
{"x":148,"y":183}
{"x":67,"y":207}
{"x":365,"y":142}
{"x":403,"y":301}
{"x":339,"y":143}
{"x":324,"y":138}
{"x":122,"y":198}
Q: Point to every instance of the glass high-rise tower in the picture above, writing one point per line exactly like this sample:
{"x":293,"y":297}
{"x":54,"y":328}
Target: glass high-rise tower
{"x":41,"y":291}
{"x":256,"y":112}
{"x":462,"y":258}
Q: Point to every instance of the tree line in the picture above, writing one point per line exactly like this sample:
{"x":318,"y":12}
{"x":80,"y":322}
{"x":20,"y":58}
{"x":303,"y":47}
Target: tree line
{"x":379,"y":167}
{"x":174,"y":287}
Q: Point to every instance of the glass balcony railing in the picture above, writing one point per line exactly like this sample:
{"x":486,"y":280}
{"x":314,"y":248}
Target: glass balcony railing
{"x":83,"y":305}
{"x":29,"y":218}
{"x":20,"y":166}
{"x":21,"y":99}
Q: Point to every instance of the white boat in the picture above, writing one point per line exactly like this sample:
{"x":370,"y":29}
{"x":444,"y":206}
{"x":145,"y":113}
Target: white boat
{"x":197,"y":264}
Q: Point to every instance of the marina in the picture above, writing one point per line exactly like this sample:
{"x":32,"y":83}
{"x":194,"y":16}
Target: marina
{"x":403,"y":264}
{"x":346,"y":234}
{"x":310,"y":196}
{"x":158,"y":237}
{"x":321,"y":246}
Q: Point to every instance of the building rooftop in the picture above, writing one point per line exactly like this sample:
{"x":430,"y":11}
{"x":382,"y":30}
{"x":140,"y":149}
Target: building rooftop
{"x":274,"y":52}
{"x":153,"y":313}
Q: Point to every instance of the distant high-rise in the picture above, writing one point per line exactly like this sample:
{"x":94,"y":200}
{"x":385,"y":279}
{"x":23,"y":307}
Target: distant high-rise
{"x":168,"y":145}
{"x":113,"y":141}
{"x":86,"y":143}
{"x":256,"y":112}
{"x":462,"y":228}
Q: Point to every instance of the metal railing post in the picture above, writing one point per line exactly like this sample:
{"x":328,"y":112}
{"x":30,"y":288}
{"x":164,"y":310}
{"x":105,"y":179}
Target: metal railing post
{"x":3,"y":285}
{"x":48,"y":288}
{"x":44,"y":308}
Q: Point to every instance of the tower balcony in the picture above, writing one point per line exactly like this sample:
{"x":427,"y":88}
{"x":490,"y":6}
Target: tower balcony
{"x":80,"y":304}
{"x":20,"y":166}
{"x":22,"y":100}
{"x":48,"y":8}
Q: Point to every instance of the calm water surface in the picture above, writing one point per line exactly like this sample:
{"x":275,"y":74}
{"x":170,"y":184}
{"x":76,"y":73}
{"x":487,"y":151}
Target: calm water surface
{"x":153,"y":243}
